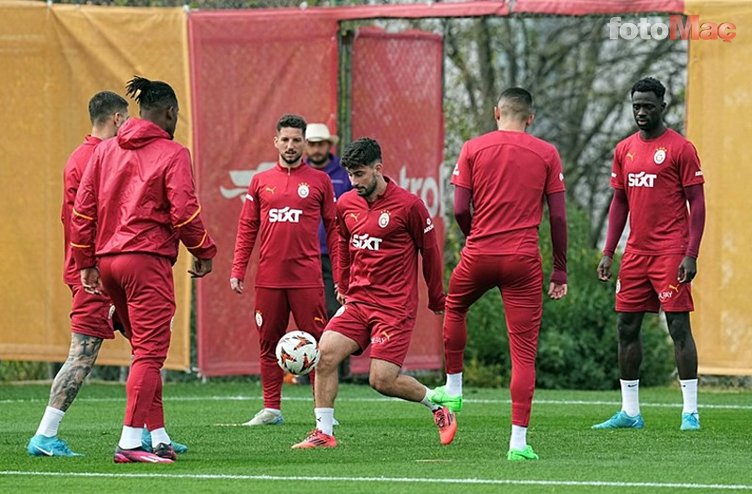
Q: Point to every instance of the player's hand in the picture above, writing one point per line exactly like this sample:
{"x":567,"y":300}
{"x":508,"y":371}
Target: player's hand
{"x":340,"y":297}
{"x":687,"y":270}
{"x":91,"y":281}
{"x":604,"y":268}
{"x":236,"y":285}
{"x":557,"y":290}
{"x":200,"y":267}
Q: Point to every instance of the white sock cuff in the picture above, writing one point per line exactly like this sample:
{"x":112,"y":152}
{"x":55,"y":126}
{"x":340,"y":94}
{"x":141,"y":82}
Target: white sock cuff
{"x":159,"y":436}
{"x":454,"y":384}
{"x":324,"y":420}
{"x":50,"y":422}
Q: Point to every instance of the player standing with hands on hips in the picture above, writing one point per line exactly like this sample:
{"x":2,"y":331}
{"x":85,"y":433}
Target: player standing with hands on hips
{"x":656,"y":173}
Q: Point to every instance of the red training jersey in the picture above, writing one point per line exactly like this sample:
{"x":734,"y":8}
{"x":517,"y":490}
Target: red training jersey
{"x":74,"y":170}
{"x":653,"y":174}
{"x":509,"y":174}
{"x":285,"y":206}
{"x":137,"y":195}
{"x":378,"y":250}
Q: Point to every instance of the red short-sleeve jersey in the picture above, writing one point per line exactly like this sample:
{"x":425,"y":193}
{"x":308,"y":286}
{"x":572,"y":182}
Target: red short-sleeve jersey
{"x":654,"y":173}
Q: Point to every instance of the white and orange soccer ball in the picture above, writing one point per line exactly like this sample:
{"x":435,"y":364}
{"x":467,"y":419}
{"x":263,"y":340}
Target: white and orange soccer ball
{"x":297,"y":352}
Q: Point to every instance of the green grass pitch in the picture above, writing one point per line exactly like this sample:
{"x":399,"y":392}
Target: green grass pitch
{"x":385,"y":445}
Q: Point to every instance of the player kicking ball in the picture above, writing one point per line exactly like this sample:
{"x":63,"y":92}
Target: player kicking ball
{"x":382,"y":229}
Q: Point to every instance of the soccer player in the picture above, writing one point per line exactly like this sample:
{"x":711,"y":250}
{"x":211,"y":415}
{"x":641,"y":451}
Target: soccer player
{"x":656,"y":173}
{"x":135,"y":203}
{"x":382,"y":229}
{"x":284,"y":207}
{"x":505,"y":175}
{"x":91,"y":322}
{"x":319,"y":142}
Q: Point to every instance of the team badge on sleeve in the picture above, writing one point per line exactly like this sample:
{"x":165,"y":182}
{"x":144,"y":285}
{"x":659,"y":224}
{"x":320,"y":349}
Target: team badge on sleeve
{"x":429,"y":226}
{"x":303,"y":190}
{"x":660,"y":156}
{"x":384,"y":219}
{"x":259,"y":319}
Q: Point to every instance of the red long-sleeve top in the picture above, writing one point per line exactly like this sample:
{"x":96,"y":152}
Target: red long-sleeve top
{"x":378,"y":250}
{"x":284,"y":206}
{"x":74,"y":170}
{"x":137,"y":195}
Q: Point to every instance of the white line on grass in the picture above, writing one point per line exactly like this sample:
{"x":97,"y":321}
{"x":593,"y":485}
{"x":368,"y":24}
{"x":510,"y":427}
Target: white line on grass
{"x":399,"y":480}
{"x":377,"y":399}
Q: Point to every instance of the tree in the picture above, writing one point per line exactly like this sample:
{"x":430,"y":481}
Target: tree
{"x":579,"y":78}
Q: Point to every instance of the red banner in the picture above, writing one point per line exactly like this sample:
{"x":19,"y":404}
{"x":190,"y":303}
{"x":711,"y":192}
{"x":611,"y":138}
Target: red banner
{"x":589,"y":7}
{"x":397,"y":100}
{"x":247,"y":69}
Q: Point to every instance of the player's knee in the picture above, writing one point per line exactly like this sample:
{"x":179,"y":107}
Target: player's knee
{"x":627,"y":332}
{"x":679,"y":329}
{"x":83,"y":361}
{"x":328,"y":360}
{"x":75,"y":370}
{"x":84,"y":364}
{"x":381,"y":383}
{"x":326,"y":363}
{"x":628,"y":326}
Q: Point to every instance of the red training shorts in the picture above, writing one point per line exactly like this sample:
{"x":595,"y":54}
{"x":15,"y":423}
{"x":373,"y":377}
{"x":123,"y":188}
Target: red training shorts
{"x":387,"y":331}
{"x":647,"y":283}
{"x":90,"y":314}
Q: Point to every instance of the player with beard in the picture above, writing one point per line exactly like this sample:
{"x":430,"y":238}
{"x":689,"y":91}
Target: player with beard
{"x":283,"y":208}
{"x":656,"y":173}
{"x":382,"y":230}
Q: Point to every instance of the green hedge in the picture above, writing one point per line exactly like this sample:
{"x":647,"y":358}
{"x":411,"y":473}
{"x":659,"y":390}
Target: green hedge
{"x":578,"y":345}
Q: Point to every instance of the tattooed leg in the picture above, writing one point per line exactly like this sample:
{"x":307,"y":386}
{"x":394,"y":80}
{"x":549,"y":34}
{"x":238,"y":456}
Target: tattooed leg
{"x":81,"y":357}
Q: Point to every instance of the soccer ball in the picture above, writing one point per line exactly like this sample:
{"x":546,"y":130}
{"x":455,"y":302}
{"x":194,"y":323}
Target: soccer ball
{"x":297,"y":352}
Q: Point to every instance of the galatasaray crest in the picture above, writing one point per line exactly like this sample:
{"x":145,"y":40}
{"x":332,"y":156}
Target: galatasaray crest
{"x":303,"y":190}
{"x":660,"y":156}
{"x":384,"y":219}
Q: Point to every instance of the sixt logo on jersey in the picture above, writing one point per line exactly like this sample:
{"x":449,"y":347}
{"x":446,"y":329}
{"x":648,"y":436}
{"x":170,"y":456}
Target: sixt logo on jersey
{"x":641,"y":179}
{"x":366,"y":242}
{"x":285,"y":215}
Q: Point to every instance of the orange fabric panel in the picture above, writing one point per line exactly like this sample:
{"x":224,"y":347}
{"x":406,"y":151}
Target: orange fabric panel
{"x":717,"y":103}
{"x":55,"y":58}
